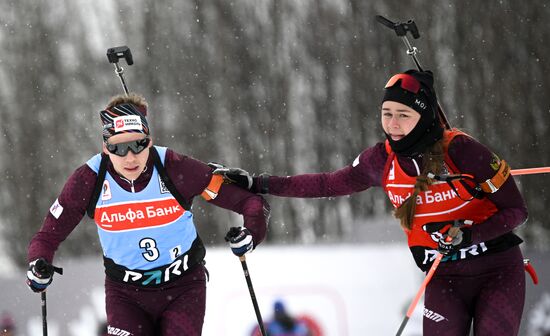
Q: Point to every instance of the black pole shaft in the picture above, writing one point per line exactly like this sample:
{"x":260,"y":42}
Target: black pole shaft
{"x":252,"y":295}
{"x":402,"y":326}
{"x":120,"y":71}
{"x":44,"y":314}
{"x":412,"y":52}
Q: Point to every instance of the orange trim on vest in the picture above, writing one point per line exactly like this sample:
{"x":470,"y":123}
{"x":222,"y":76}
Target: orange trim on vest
{"x":449,"y":135}
{"x":388,"y":147}
{"x":491,"y":185}
{"x":211,"y":191}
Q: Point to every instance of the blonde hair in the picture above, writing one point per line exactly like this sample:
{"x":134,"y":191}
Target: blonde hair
{"x":132,"y":98}
{"x":433,"y":160}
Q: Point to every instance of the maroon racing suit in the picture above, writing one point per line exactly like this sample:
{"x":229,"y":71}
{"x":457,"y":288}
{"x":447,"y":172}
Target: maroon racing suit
{"x":487,"y":288}
{"x":175,"y":307}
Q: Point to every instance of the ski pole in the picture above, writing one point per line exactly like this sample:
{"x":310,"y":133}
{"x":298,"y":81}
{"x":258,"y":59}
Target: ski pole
{"x":531,"y":270}
{"x":116,"y":53}
{"x":401,"y":30}
{"x":45,"y":268}
{"x":453,"y":231}
{"x":252,"y":295}
{"x":413,"y":304}
{"x":44,"y":314}
{"x":528,"y":171}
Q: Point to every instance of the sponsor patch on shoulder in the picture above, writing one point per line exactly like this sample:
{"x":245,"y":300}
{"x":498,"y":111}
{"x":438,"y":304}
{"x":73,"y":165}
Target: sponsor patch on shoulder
{"x":495,"y":162}
{"x":56,"y":209}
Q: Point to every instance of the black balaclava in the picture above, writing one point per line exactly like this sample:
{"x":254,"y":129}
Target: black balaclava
{"x":429,"y":129}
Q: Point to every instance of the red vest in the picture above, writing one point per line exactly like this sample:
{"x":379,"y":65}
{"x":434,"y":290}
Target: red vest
{"x":438,"y":204}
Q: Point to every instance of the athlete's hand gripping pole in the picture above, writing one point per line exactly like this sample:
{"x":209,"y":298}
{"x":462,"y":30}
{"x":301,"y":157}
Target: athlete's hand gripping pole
{"x":453,"y":231}
{"x":234,"y":236}
{"x":39,"y":276}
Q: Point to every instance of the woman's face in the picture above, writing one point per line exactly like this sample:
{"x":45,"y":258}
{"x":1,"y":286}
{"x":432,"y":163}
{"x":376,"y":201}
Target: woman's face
{"x":131,"y":165}
{"x":398,"y":120}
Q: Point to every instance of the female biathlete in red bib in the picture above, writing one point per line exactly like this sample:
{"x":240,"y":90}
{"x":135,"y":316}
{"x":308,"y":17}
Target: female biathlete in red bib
{"x":435,"y":179}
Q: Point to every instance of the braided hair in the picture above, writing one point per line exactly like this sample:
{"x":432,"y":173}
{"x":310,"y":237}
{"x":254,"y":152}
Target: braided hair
{"x":433,"y":161}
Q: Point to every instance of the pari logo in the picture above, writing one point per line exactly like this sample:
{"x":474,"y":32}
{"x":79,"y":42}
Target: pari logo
{"x":127,"y":123}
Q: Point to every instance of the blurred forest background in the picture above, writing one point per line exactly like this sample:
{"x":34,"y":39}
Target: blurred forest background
{"x":277,"y":86}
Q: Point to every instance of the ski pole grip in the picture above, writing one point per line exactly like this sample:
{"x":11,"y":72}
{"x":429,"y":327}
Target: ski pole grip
{"x":46,"y":268}
{"x":457,"y":224}
{"x":400,"y":28}
{"x":453,"y":231}
{"x":385,"y":21}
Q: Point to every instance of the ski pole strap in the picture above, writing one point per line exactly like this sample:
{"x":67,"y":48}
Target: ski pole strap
{"x":531,"y":270}
{"x":46,"y":268}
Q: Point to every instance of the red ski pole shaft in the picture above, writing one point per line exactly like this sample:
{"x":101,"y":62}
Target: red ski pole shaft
{"x":453,"y":231}
{"x":528,"y":171}
{"x":419,"y":294}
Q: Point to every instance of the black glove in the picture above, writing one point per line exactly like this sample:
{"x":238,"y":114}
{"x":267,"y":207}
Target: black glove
{"x":240,"y":240}
{"x":235,"y":175}
{"x":242,"y":178}
{"x":447,"y":245}
{"x":40,"y":275}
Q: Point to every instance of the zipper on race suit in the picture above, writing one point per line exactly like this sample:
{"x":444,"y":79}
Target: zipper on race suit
{"x":131,"y":184}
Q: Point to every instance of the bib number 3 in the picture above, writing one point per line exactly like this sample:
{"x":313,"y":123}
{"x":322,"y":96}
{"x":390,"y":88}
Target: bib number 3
{"x":151,"y":252}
